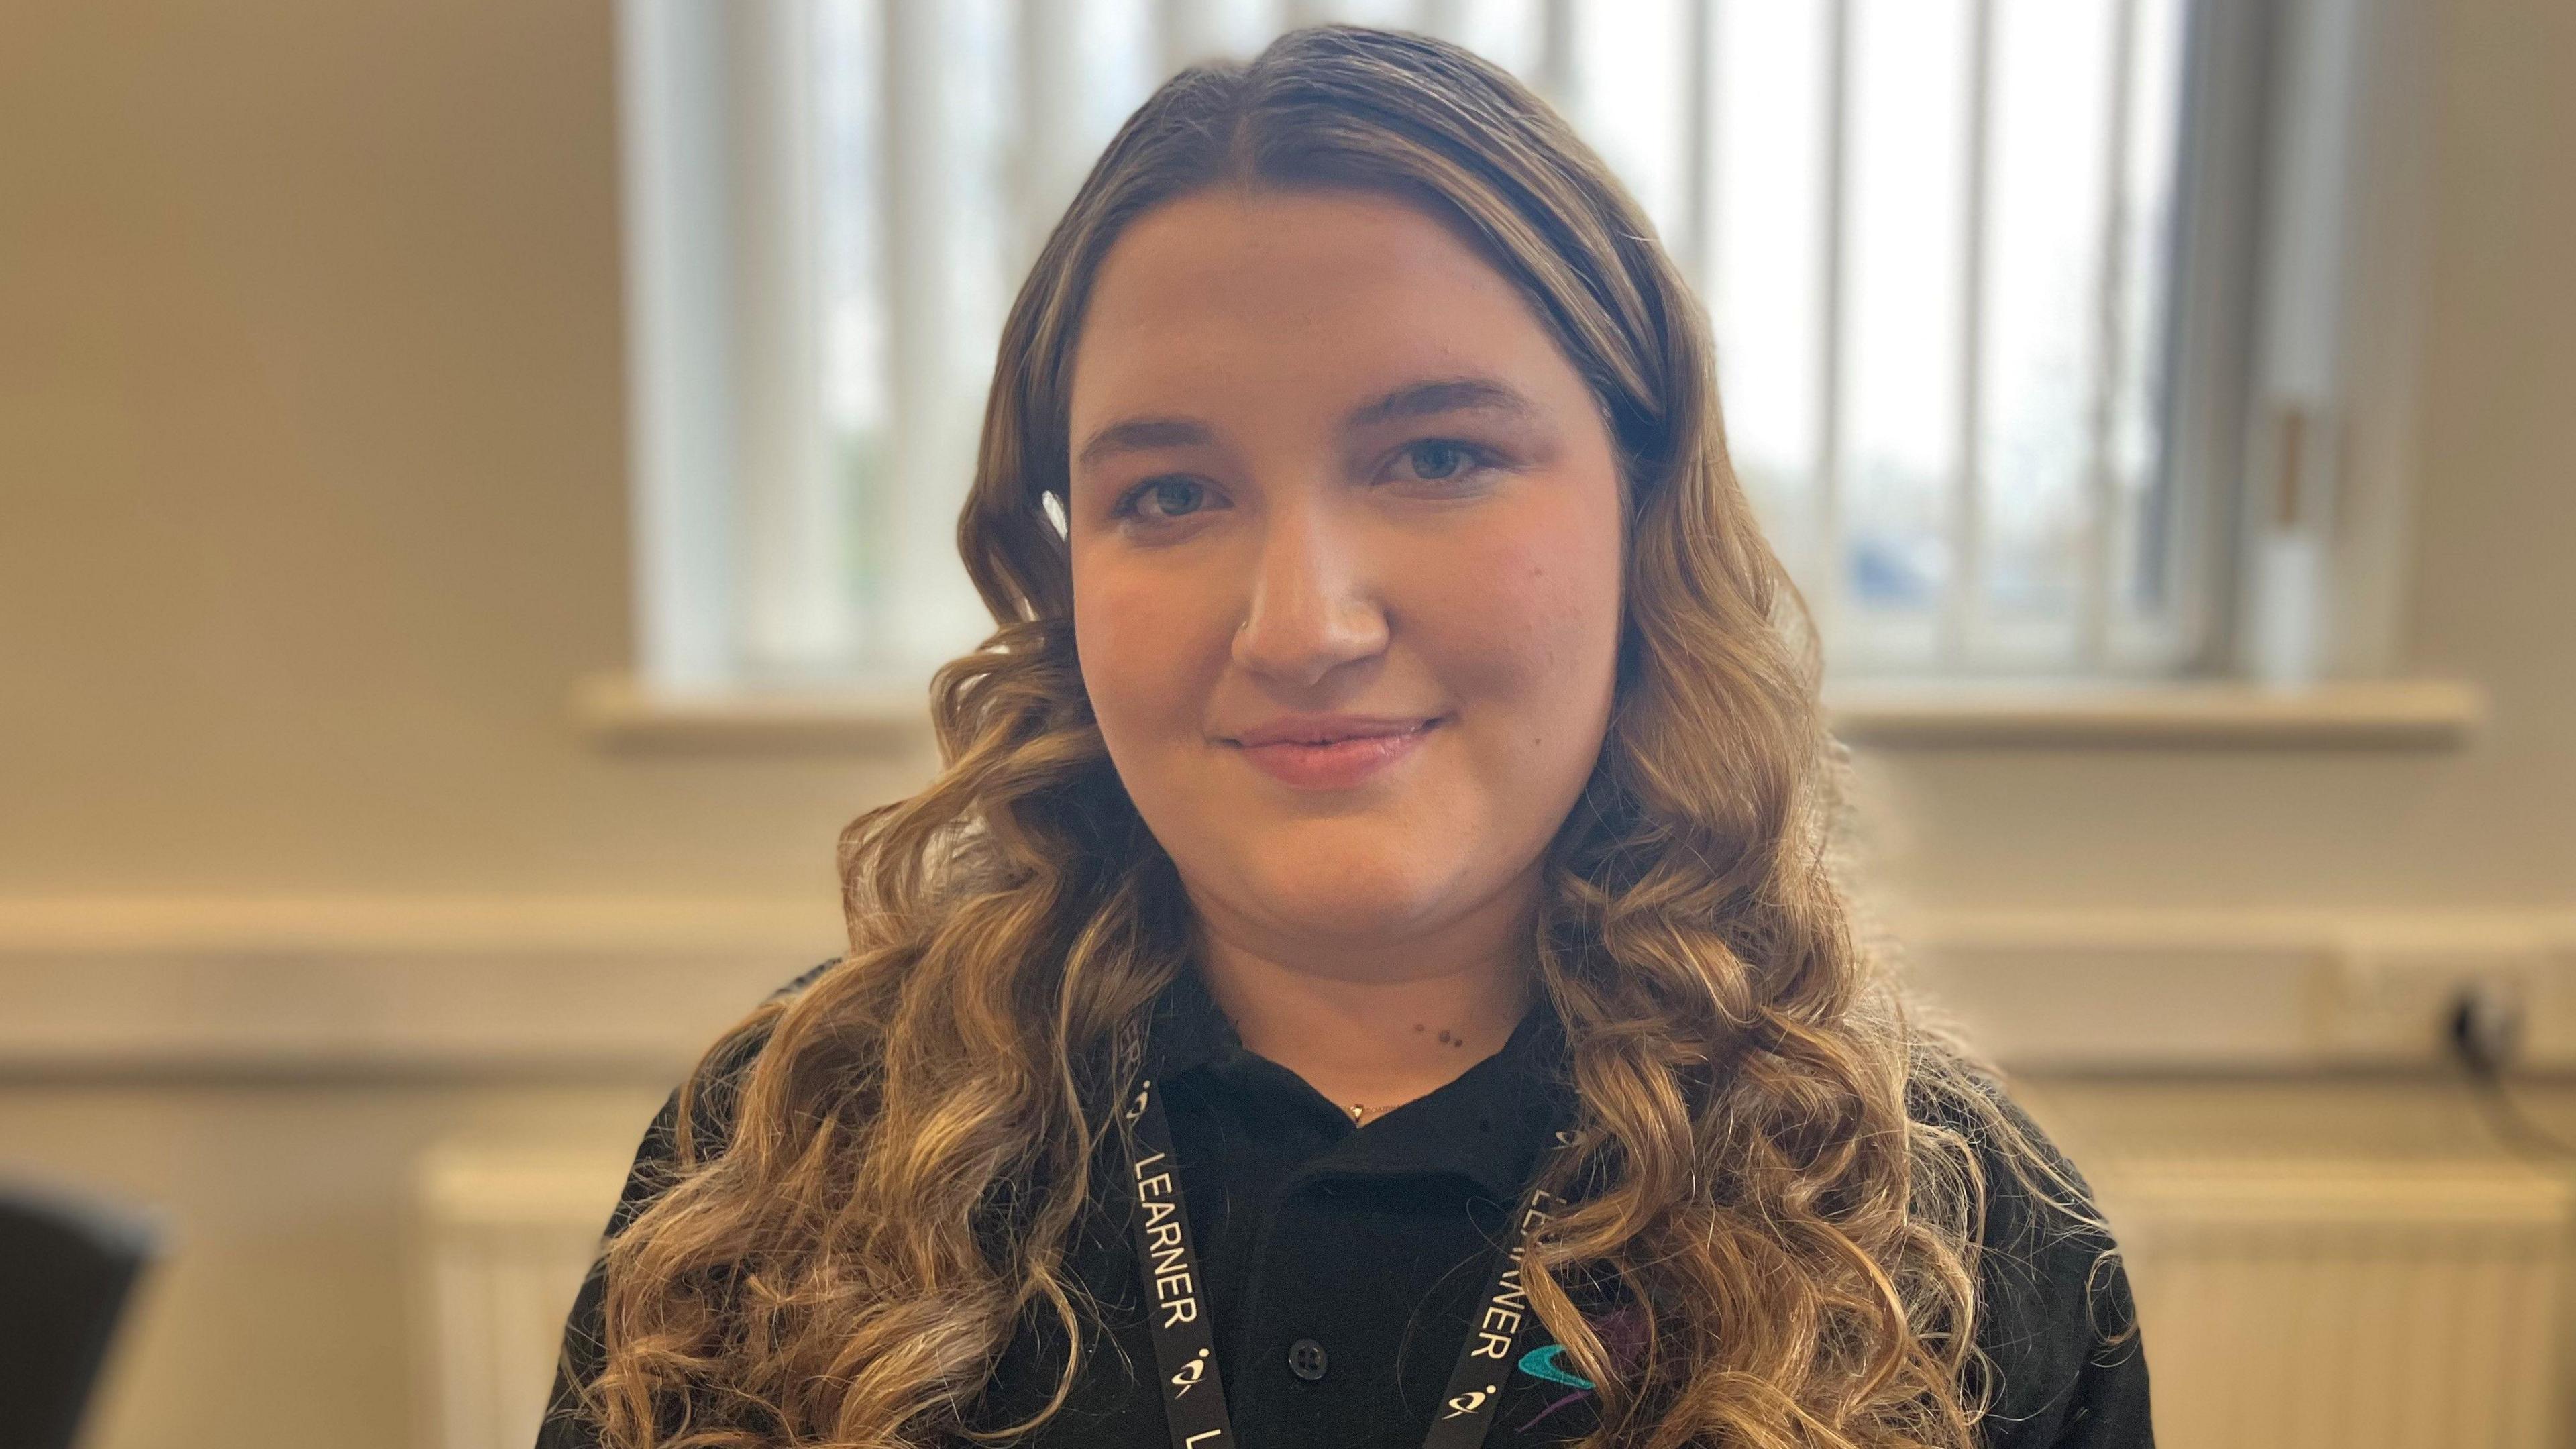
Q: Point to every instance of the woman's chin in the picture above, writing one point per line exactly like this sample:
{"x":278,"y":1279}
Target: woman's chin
{"x":1361,"y":907}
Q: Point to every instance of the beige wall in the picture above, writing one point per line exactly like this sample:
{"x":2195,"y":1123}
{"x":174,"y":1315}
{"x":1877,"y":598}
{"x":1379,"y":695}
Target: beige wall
{"x":312,"y":509}
{"x":311,"y":393}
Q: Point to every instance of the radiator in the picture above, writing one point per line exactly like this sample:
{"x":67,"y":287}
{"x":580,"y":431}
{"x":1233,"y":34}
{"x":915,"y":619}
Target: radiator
{"x":2286,"y":1304}
{"x":501,"y":1238}
{"x":2346,"y":1305}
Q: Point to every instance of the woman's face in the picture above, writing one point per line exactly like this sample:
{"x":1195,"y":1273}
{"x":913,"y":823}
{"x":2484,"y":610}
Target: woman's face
{"x":1332,"y":479}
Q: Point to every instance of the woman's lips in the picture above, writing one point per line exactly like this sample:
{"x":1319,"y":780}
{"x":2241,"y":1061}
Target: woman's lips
{"x":1338,"y":765}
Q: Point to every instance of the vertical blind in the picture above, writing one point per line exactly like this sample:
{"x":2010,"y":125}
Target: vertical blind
{"x":1937,"y":239}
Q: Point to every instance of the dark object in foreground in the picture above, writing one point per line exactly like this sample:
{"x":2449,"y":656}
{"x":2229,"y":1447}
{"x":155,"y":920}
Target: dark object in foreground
{"x":67,"y":1268}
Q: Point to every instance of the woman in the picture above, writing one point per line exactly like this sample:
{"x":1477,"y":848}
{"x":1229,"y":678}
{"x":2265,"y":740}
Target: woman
{"x":1369,"y":971}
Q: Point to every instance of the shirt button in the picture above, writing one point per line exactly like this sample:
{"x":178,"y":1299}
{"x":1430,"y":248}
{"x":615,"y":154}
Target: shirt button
{"x":1306,"y":1359}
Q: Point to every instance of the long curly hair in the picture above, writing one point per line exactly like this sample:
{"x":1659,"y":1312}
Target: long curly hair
{"x":1777,"y":1161}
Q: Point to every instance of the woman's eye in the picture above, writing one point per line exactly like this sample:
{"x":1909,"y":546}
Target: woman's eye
{"x":1171,"y":497}
{"x":1441,"y":460}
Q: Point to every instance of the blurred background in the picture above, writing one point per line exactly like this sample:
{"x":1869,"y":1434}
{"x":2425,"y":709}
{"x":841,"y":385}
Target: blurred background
{"x":476,"y":498}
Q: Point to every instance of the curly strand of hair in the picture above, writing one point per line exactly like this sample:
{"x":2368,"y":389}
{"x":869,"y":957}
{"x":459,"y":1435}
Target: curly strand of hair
{"x":1803,"y":1112}
{"x":909,"y":1139}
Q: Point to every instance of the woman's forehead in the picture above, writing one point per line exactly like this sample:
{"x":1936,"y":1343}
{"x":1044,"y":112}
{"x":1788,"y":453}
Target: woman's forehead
{"x":1331,"y":298}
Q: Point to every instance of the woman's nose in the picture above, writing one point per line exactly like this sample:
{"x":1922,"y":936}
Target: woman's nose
{"x":1313,"y":603}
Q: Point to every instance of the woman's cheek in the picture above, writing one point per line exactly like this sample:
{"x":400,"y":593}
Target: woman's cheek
{"x":1134,"y":638}
{"x":1534,"y":602}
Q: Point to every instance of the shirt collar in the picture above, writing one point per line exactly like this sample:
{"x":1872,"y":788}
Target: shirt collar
{"x":1189,"y":1030}
{"x":1489,"y":1124}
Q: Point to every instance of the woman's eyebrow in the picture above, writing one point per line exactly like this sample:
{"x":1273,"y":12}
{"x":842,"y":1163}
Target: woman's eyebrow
{"x":1413,"y":400}
{"x":1441,"y":395}
{"x":1137,"y":435}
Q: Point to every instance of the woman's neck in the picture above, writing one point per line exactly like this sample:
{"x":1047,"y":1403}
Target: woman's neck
{"x":1370,"y":1038}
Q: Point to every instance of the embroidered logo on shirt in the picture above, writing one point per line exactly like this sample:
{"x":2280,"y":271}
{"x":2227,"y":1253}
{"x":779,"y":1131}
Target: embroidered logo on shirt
{"x":1540,"y":1363}
{"x":1622,"y":1333}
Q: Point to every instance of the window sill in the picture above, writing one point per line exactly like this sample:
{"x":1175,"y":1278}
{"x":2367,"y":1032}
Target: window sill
{"x":2373,"y":714}
{"x":619,"y":712}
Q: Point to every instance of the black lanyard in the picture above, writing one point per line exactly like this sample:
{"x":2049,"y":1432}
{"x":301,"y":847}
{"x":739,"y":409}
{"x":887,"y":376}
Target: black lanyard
{"x":1185,"y":1339}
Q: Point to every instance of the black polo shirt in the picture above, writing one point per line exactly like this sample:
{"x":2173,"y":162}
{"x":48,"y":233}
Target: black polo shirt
{"x":1343,"y":1265}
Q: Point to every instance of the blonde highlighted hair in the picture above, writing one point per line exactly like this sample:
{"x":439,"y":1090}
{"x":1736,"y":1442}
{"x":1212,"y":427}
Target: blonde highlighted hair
{"x":1779,"y":1165}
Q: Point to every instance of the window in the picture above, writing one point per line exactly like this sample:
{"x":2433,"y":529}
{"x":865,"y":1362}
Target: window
{"x":1998,"y":338}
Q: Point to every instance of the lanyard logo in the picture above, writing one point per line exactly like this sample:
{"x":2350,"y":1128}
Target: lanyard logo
{"x":1190,"y":1374}
{"x":1460,"y":1406}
